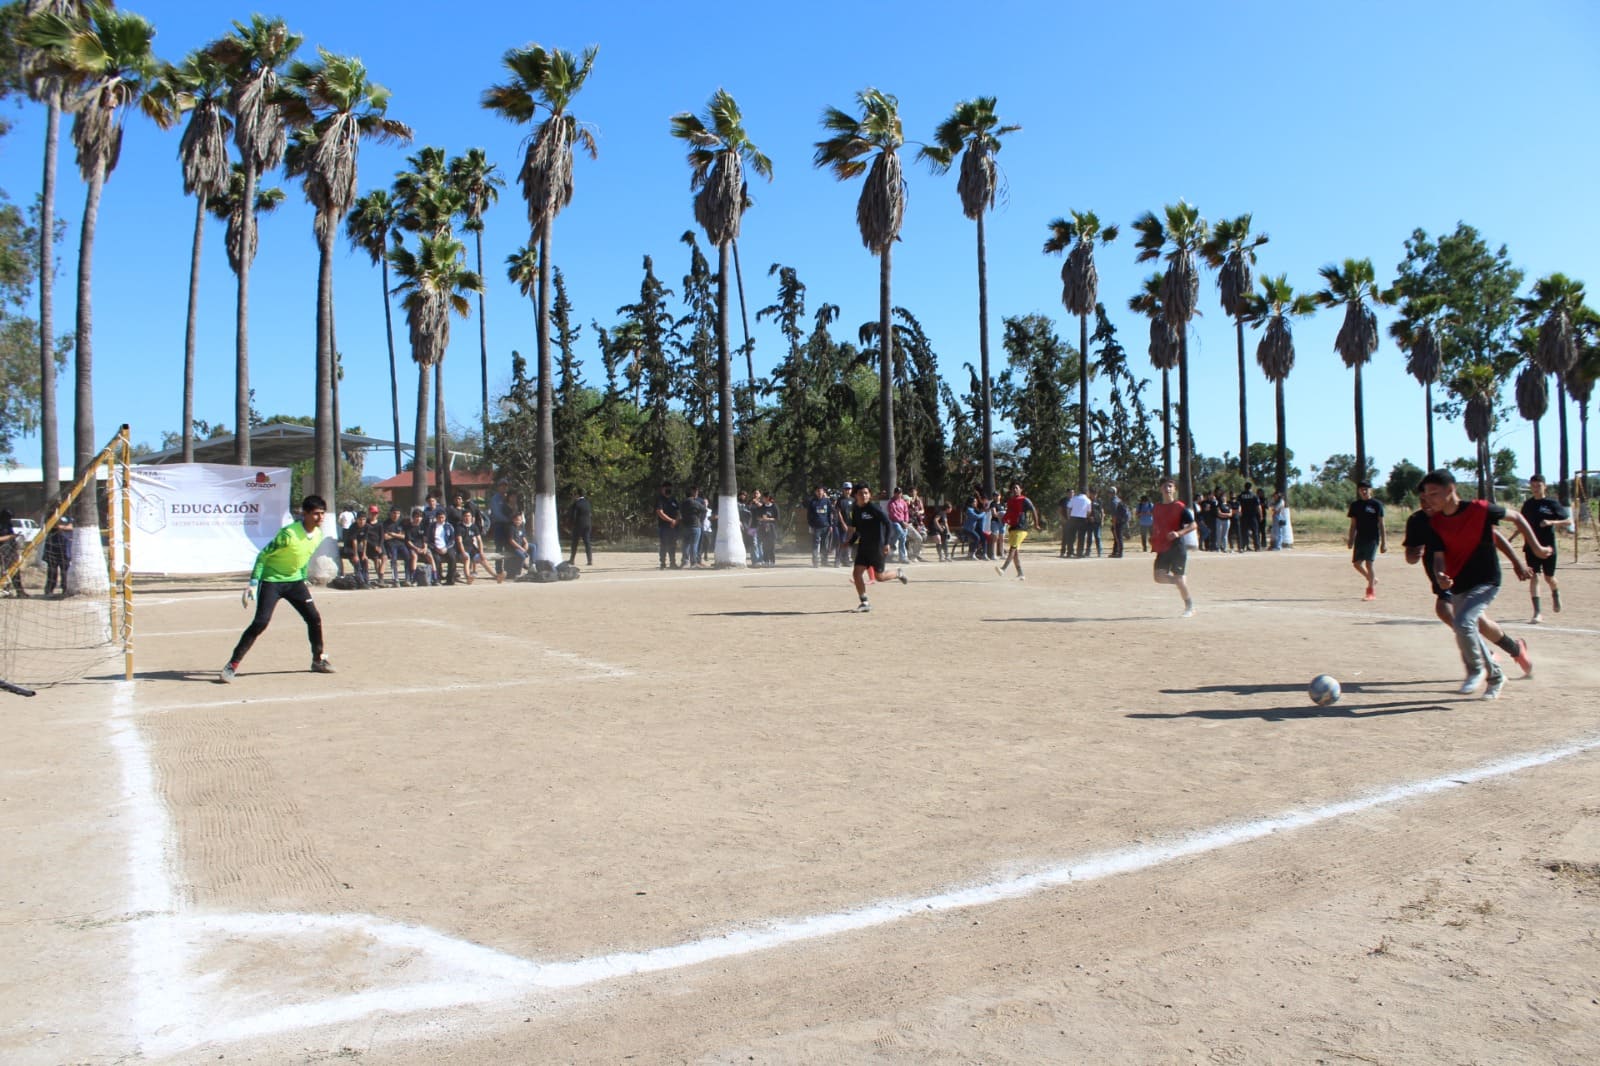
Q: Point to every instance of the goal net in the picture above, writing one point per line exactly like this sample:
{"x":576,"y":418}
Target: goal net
{"x":66,"y":604}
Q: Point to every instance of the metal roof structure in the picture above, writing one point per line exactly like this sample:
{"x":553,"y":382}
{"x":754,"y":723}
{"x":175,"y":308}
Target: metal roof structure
{"x":274,"y":444}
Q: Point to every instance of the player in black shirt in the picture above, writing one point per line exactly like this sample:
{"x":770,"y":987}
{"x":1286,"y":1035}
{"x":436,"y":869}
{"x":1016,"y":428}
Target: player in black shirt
{"x":1249,"y":519}
{"x":1543,"y":514}
{"x":870,"y":531}
{"x":1366,"y":537}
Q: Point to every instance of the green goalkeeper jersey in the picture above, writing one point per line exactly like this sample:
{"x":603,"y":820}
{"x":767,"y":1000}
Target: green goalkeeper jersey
{"x":286,"y":557}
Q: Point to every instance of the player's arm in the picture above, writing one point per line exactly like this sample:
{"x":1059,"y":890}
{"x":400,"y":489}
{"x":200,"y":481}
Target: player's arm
{"x":1528,"y":537}
{"x":1350,"y":535}
{"x":1518,"y":567}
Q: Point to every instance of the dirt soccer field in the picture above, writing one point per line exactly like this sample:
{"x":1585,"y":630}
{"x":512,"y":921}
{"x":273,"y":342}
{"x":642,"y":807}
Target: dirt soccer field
{"x":712,"y":817}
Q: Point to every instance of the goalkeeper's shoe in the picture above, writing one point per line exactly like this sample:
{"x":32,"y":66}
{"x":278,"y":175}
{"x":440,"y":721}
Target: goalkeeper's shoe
{"x":322,"y":666}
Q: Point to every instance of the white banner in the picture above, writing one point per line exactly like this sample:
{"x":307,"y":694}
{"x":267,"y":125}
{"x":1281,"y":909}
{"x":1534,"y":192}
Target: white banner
{"x":204,"y":518}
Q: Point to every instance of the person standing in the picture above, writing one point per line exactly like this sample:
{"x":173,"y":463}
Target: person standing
{"x":1021,"y":514}
{"x":58,"y":555}
{"x":1249,"y":517}
{"x":500,"y":516}
{"x":1468,"y":566}
{"x":1078,"y":508}
{"x":693,"y":519}
{"x":581,"y":518}
{"x":899,"y":509}
{"x":766,"y":513}
{"x":819,"y":520}
{"x":1543,"y":514}
{"x":667,"y":525}
{"x":1119,"y":523}
{"x":1282,"y":523}
{"x":1224,"y":522}
{"x":1366,"y":537}
{"x":1146,"y":520}
{"x":870,"y":531}
{"x":280,"y":574}
{"x":1171,"y":521}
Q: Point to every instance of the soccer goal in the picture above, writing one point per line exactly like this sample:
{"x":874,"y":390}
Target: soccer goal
{"x":66,"y":596}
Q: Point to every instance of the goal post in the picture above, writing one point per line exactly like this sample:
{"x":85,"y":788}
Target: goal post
{"x":66,"y":596}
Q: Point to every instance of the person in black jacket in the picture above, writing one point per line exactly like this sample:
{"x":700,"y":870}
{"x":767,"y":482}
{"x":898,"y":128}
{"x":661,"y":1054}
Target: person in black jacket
{"x":581,"y":517}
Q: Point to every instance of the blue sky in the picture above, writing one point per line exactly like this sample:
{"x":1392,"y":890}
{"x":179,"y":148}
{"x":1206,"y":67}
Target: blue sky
{"x":1340,"y":134}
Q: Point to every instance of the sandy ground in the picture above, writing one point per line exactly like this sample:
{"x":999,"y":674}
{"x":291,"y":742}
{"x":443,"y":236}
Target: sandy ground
{"x":646,"y":816}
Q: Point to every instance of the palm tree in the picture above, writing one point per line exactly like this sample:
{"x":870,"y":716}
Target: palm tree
{"x":433,"y":283}
{"x":334,"y":106}
{"x":1080,"y":292}
{"x":1178,"y":240}
{"x":479,"y":183}
{"x":252,"y":57}
{"x":1231,"y":252}
{"x":372,"y":226}
{"x":1579,"y":381}
{"x":522,"y":270}
{"x":49,"y":80}
{"x":543,"y":83}
{"x":199,"y":87}
{"x":110,"y":53}
{"x":1163,"y":355}
{"x":875,"y":136}
{"x":1554,"y":306}
{"x":1533,"y":403}
{"x":1413,"y":332}
{"x":973,"y":131}
{"x":1354,"y":286}
{"x":1276,"y":308}
{"x":719,"y":149}
{"x":1478,"y":388}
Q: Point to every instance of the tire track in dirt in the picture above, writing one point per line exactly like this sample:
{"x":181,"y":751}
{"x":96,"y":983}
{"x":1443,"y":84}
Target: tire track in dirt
{"x":242,"y":836}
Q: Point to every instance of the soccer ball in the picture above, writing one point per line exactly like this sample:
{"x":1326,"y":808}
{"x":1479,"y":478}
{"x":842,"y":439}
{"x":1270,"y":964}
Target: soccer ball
{"x":1325,"y":690}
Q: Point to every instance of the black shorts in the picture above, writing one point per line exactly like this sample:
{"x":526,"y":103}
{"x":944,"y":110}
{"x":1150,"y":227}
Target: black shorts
{"x":1366,"y":551}
{"x":874,"y":558}
{"x":1175,"y":560}
{"x":1547,"y":567}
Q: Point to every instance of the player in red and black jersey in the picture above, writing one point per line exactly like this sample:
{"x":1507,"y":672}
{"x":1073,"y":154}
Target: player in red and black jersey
{"x":1466,"y":564}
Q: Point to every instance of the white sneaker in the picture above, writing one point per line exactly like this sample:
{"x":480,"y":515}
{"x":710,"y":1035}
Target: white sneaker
{"x":1495,"y":685}
{"x":863,"y":607}
{"x":1470,"y":685}
{"x":229,"y":672}
{"x":1188,"y":611}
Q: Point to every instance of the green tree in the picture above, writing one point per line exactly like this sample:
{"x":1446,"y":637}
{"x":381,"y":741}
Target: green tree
{"x":1127,"y":451}
{"x":1478,"y":388}
{"x":433,"y":284}
{"x":1404,"y":477}
{"x":719,"y":149}
{"x":114,"y":67}
{"x":1163,"y":351}
{"x":974,"y":132}
{"x":372,"y":225}
{"x":1178,"y":239}
{"x":871,"y":145}
{"x":1080,"y":295}
{"x":1414,"y":332}
{"x":1532,"y":391}
{"x":543,"y":83}
{"x":573,"y":400}
{"x":253,"y":57}
{"x":695,"y":366}
{"x":20,"y":404}
{"x":1231,"y":252}
{"x":1354,"y":286}
{"x":479,"y":183}
{"x":334,"y":107}
{"x":1275,"y":309}
{"x":1037,"y":405}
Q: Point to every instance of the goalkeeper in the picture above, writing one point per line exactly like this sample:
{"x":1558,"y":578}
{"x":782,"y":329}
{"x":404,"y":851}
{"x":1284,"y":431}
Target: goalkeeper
{"x":280,"y":574}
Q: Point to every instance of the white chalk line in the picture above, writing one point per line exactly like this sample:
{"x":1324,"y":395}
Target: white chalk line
{"x":172,"y":1011}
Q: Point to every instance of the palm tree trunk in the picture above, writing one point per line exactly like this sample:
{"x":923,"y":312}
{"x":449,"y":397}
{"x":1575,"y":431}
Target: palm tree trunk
{"x":90,"y":574}
{"x":749,"y":349}
{"x":419,"y":451}
{"x":1085,"y":451}
{"x":241,"y":327}
{"x":1244,"y":430}
{"x":1427,"y":397}
{"x":1281,"y":479}
{"x":983,"y":360}
{"x":1563,"y":493}
{"x":730,"y":541}
{"x":1361,"y":434}
{"x":394,"y":384}
{"x":441,"y":446}
{"x":886,"y":456}
{"x":1166,"y":424}
{"x":338,"y":419}
{"x":49,"y":419}
{"x":546,"y":526}
{"x":483,"y":345}
{"x":191,"y":327}
{"x":326,"y":452}
{"x":1583,"y":455}
{"x":1185,"y":459}
{"x":1538,"y":450}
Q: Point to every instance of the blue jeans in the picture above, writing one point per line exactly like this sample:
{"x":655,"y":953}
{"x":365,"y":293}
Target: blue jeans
{"x":1220,"y":543}
{"x":897,"y":542}
{"x":819,"y":545}
{"x":691,"y":546}
{"x":1470,"y":606}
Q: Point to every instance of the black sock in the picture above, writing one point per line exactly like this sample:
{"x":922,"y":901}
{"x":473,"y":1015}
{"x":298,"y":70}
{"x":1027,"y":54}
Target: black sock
{"x":1555,"y":598}
{"x":1536,"y":605}
{"x":1508,"y":644}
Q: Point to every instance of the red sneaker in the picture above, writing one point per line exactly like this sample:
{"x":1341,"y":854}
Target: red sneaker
{"x":1524,"y":660}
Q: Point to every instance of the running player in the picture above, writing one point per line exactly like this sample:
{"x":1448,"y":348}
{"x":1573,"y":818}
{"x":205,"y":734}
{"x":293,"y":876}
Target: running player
{"x":1543,"y":514}
{"x":870,"y":530}
{"x":1468,"y":566}
{"x":280,"y":574}
{"x":1018,"y":508}
{"x":1172,"y":521}
{"x":1366,"y":537}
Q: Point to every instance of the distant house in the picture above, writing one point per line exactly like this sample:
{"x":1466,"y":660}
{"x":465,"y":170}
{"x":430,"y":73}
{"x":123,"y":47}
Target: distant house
{"x":476,"y":484}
